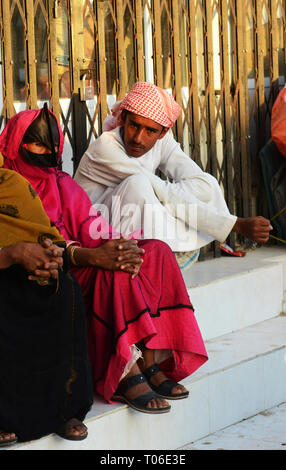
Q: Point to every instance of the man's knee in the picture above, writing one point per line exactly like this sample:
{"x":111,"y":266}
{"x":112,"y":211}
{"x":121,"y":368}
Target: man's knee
{"x":137,"y":189}
{"x":137,"y":183}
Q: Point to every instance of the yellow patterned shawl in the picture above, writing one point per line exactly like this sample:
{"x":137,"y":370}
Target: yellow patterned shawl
{"x":22,"y":216}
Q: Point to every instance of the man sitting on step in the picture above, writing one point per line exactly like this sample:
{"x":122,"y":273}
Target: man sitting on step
{"x":187,"y":210}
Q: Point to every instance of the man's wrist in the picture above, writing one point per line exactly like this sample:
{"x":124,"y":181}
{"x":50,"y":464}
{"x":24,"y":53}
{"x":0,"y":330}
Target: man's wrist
{"x":237,"y":226}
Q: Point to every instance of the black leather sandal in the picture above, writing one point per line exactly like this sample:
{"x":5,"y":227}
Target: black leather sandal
{"x":165,"y":388}
{"x":139,"y":403}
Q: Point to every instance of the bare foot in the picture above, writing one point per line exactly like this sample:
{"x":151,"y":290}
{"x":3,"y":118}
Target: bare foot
{"x":7,"y":438}
{"x":73,"y":430}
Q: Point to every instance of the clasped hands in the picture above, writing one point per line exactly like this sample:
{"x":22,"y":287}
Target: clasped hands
{"x":122,"y":254}
{"x":41,"y":261}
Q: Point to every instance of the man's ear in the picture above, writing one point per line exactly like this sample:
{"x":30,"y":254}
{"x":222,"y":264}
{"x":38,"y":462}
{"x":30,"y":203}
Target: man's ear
{"x":163,"y":132}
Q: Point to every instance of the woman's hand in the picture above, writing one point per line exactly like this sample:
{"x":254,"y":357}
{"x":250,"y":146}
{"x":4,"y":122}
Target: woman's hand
{"x":129,"y":259}
{"x":114,"y":255}
{"x":41,"y":261}
{"x":49,"y":268}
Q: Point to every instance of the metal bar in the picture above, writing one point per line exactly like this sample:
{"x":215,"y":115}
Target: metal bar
{"x":76,"y":44}
{"x":31,"y":77}
{"x":53,"y":65}
{"x":139,"y":41}
{"x":243,"y":106}
{"x":7,"y":59}
{"x":260,"y":52}
{"x":102,"y":79}
{"x":157,"y":42}
{"x":210,"y":91}
{"x":121,"y":52}
{"x":194,"y":87}
{"x":226,"y":106}
{"x":274,"y":50}
{"x":75,"y":12}
{"x":177,"y":72}
{"x":235,"y":112}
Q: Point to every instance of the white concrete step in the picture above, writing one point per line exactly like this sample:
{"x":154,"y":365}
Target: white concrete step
{"x":264,"y":431}
{"x":245,"y":374}
{"x":231,"y":293}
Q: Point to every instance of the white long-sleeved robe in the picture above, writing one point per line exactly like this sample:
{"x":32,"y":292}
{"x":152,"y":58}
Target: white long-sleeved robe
{"x":187,"y":212}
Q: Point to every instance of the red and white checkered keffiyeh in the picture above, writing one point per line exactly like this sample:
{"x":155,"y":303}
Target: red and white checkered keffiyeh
{"x":149,"y":101}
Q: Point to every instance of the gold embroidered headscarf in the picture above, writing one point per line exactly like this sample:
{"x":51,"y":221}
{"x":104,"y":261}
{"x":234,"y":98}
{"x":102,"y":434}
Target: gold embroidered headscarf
{"x":22,"y":216}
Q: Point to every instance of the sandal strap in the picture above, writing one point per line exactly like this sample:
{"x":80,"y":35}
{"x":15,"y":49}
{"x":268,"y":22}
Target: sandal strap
{"x":166,"y":387}
{"x":143,"y":400}
{"x":152,"y":370}
{"x":130,"y":382}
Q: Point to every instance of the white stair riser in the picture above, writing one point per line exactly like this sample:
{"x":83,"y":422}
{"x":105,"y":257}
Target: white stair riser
{"x":236,"y":302}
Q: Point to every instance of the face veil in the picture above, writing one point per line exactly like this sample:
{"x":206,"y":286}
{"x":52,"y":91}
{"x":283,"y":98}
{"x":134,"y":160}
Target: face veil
{"x":43,"y":130}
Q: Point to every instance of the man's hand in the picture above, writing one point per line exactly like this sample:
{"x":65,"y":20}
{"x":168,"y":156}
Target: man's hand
{"x":254,"y":228}
{"x":122,"y":254}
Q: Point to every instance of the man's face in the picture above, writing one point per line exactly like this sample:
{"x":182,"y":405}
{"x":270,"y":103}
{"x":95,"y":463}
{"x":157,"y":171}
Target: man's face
{"x":140,"y":134}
